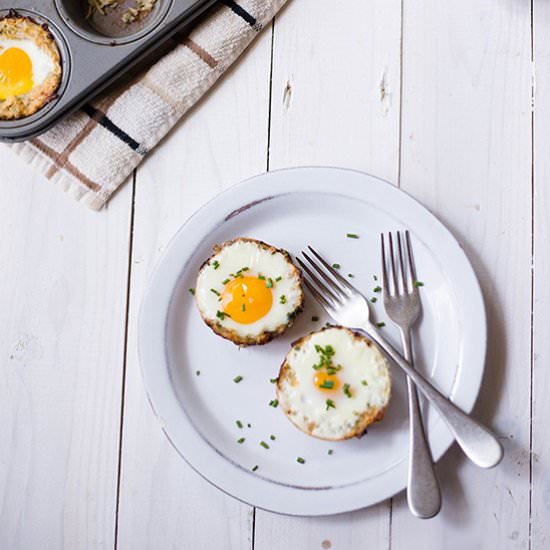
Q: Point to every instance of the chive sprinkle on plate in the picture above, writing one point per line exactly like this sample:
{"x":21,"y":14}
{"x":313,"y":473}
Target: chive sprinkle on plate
{"x":237,"y":379}
{"x":273,"y":403}
{"x":255,"y":468}
{"x":241,"y":440}
{"x":264,"y":444}
{"x":239,"y":424}
{"x":300,"y":460}
{"x":352,"y":235}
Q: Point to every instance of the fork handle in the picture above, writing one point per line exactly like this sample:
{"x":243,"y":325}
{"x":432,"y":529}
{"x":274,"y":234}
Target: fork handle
{"x":423,"y":493}
{"x":477,"y":442}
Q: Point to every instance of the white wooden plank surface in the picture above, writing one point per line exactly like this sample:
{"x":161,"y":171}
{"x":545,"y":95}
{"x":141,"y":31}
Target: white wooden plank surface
{"x":163,"y":503}
{"x":335,"y":101}
{"x":466,"y":154}
{"x":540,"y":459}
{"x":63,"y":295}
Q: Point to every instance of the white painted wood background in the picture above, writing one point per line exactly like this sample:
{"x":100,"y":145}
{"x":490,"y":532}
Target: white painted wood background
{"x":450,"y":100}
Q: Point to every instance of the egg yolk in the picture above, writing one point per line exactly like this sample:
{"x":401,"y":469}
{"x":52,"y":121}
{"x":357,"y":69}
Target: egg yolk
{"x":325,"y":381}
{"x":246,"y":299}
{"x":15,"y":73}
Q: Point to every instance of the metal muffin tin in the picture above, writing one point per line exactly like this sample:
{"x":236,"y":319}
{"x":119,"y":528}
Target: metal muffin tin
{"x":95,"y":51}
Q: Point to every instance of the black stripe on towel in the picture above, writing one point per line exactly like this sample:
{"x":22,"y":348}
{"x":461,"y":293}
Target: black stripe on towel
{"x":108,"y":124}
{"x":241,"y":12}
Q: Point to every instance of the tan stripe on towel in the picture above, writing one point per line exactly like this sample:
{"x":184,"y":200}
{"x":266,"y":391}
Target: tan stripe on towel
{"x":73,"y":170}
{"x":201,"y":53}
{"x":61,"y":159}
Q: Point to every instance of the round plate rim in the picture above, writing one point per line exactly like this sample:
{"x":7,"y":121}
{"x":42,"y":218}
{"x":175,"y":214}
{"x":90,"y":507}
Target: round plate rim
{"x":162,"y":408}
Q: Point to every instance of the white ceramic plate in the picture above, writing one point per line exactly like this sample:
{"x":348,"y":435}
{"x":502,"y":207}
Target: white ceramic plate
{"x":198,"y":413}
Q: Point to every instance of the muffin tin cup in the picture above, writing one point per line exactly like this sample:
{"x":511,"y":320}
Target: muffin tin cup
{"x":65,"y":56}
{"x":108,"y":28}
{"x":94,"y":51}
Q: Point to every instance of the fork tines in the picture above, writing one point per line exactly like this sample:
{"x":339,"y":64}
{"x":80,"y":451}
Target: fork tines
{"x":402,"y":278}
{"x":332,"y":286}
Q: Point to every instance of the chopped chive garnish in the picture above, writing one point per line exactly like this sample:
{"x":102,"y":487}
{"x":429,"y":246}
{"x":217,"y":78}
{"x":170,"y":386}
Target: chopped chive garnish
{"x":325,"y":357}
{"x":241,"y":440}
{"x":261,"y":277}
{"x":222,"y":315}
{"x":273,"y":403}
{"x":330,"y":452}
{"x":243,"y":307}
{"x":255,"y":468}
{"x":214,"y":291}
{"x":375,"y":277}
{"x":347,"y":390}
{"x":315,"y":318}
{"x":336,"y":266}
{"x":272,"y":437}
{"x":237,"y":379}
{"x":333,"y":369}
{"x":300,"y":460}
{"x":198,"y":373}
{"x":273,"y":380}
{"x":245,"y":268}
{"x":352,"y":235}
{"x":330,"y":404}
{"x":249,"y":425}
{"x":364,"y":382}
{"x":327,"y":385}
{"x":351,"y":275}
{"x":377,"y":289}
{"x":278,"y":279}
{"x":418,"y":283}
{"x":225,"y":281}
{"x":282,"y":299}
{"x":192,"y":291}
{"x":239,"y":424}
{"x":381,"y":324}
{"x":264,"y":444}
{"x":374,"y":299}
{"x":215,"y":264}
{"x":269,"y":283}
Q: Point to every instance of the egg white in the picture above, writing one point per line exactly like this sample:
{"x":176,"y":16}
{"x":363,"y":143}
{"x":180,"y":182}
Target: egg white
{"x":42,"y":63}
{"x":306,"y":405}
{"x":271,"y":264}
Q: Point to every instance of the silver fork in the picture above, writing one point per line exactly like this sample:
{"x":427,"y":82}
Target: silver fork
{"x":348,"y":307}
{"x":402,"y":306}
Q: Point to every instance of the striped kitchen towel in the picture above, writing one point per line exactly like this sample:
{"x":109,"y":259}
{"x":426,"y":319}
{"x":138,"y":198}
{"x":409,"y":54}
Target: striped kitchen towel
{"x":93,"y":151}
